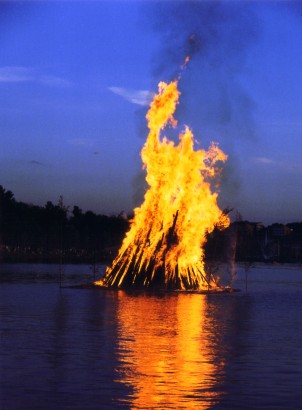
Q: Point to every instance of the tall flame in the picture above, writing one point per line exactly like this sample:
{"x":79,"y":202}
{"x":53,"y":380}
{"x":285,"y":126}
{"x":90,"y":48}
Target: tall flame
{"x":164,"y":246}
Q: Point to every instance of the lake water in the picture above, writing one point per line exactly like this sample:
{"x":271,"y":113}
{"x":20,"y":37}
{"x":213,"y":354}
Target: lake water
{"x":71,"y":348}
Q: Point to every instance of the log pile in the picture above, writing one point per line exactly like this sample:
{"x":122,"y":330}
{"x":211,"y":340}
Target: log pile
{"x":134,"y":268}
{"x":164,"y":246}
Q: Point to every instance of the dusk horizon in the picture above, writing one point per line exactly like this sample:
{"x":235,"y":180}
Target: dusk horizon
{"x":76,"y":80}
{"x":234,"y":214}
{"x":150,"y":204}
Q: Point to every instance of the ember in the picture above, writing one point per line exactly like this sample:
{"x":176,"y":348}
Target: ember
{"x":164,"y":246}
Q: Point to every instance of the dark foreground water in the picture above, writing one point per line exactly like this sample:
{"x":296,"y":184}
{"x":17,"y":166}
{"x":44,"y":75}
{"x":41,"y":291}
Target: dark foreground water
{"x":67,"y":348}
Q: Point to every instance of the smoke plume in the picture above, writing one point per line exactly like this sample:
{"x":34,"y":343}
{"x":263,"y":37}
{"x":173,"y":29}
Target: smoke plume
{"x":217,"y":35}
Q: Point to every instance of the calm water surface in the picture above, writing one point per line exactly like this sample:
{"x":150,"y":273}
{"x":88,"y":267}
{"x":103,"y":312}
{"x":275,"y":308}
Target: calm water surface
{"x":70,"y":348}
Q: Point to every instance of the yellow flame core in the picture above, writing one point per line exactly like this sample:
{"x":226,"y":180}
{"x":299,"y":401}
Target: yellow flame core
{"x":165,"y":242}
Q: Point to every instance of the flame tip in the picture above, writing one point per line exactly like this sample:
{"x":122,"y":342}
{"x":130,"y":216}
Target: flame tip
{"x":164,"y":244}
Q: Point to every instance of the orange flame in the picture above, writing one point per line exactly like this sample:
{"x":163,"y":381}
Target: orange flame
{"x":165,"y":242}
{"x":185,"y":63}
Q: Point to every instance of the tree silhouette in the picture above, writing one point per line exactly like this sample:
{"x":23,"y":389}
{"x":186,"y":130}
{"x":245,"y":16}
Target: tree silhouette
{"x":47,"y":233}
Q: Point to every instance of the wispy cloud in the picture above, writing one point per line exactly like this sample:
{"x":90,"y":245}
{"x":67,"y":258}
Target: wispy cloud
{"x":264,"y":160}
{"x":139,"y":97}
{"x":284,"y":165}
{"x":53,"y":80}
{"x":13,"y":74}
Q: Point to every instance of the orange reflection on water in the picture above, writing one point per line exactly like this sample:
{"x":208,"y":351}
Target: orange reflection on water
{"x":164,"y":352}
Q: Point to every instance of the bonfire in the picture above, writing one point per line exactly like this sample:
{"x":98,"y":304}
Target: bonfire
{"x":163,"y":248}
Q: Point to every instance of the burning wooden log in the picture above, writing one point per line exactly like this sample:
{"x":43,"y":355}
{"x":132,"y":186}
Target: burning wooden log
{"x":134,"y":270}
{"x":164,"y":246}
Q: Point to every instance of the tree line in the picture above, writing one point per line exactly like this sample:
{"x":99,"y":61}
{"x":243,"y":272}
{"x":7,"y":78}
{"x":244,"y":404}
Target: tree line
{"x":51,"y":232}
{"x":55,"y":233}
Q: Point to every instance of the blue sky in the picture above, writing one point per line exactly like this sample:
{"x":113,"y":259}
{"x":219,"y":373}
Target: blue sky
{"x":76,"y":78}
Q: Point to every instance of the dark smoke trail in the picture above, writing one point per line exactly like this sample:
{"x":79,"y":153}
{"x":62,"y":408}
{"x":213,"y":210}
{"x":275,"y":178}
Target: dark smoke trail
{"x":217,"y":35}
